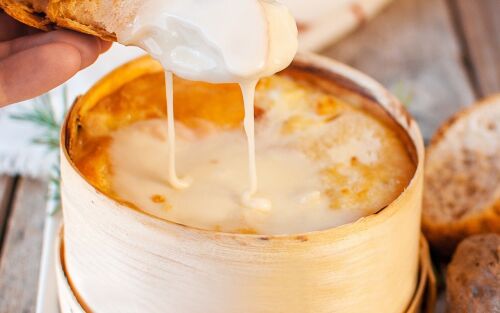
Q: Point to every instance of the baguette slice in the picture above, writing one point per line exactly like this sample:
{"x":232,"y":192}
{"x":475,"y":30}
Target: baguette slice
{"x":462,"y":177}
{"x":473,"y":276}
{"x":96,"y":17}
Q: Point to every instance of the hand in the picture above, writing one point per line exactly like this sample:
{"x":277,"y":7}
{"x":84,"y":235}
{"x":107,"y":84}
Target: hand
{"x":34,"y":62}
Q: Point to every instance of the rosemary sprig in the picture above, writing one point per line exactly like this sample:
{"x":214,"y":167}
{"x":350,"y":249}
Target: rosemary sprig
{"x":44,"y":116}
{"x":48,"y":141}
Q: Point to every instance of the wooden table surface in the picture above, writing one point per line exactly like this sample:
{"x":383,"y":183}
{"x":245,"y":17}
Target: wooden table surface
{"x":444,"y":53}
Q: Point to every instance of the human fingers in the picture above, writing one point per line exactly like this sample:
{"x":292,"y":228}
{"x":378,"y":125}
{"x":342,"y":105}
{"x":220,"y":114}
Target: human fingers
{"x":105,"y":45}
{"x":36,"y":70}
{"x":89,"y":46}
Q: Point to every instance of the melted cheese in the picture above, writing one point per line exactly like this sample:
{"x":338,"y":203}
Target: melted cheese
{"x":316,"y":166}
{"x":216,"y":41}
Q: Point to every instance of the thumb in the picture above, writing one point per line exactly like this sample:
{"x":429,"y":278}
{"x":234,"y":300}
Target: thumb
{"x":39,"y":63}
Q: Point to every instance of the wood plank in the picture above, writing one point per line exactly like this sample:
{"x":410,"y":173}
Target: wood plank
{"x":19,"y":263}
{"x":479,"y":26}
{"x":412,"y":44}
{"x":6,"y":189}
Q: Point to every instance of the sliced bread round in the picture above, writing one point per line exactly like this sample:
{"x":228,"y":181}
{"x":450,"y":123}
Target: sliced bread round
{"x":96,"y":17}
{"x":462,"y":177}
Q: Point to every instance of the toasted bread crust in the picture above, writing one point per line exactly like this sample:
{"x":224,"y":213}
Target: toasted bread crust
{"x":52,"y":14}
{"x":445,"y":236}
{"x":473,"y":276}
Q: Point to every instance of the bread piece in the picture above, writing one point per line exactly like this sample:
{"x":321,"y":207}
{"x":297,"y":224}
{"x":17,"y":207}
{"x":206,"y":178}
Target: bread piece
{"x":462,"y":177}
{"x":473,"y":277}
{"x":100,"y":18}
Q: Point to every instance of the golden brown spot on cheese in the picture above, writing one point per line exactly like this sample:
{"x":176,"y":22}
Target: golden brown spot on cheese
{"x":167,"y":207}
{"x":158,"y":198}
{"x":258,"y":113}
{"x":246,"y":231}
{"x":296,"y":123}
{"x":327,"y":105}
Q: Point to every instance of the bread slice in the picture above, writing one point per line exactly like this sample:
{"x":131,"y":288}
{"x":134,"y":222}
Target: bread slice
{"x":462,"y":177}
{"x":96,"y":17}
{"x":473,"y":276}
